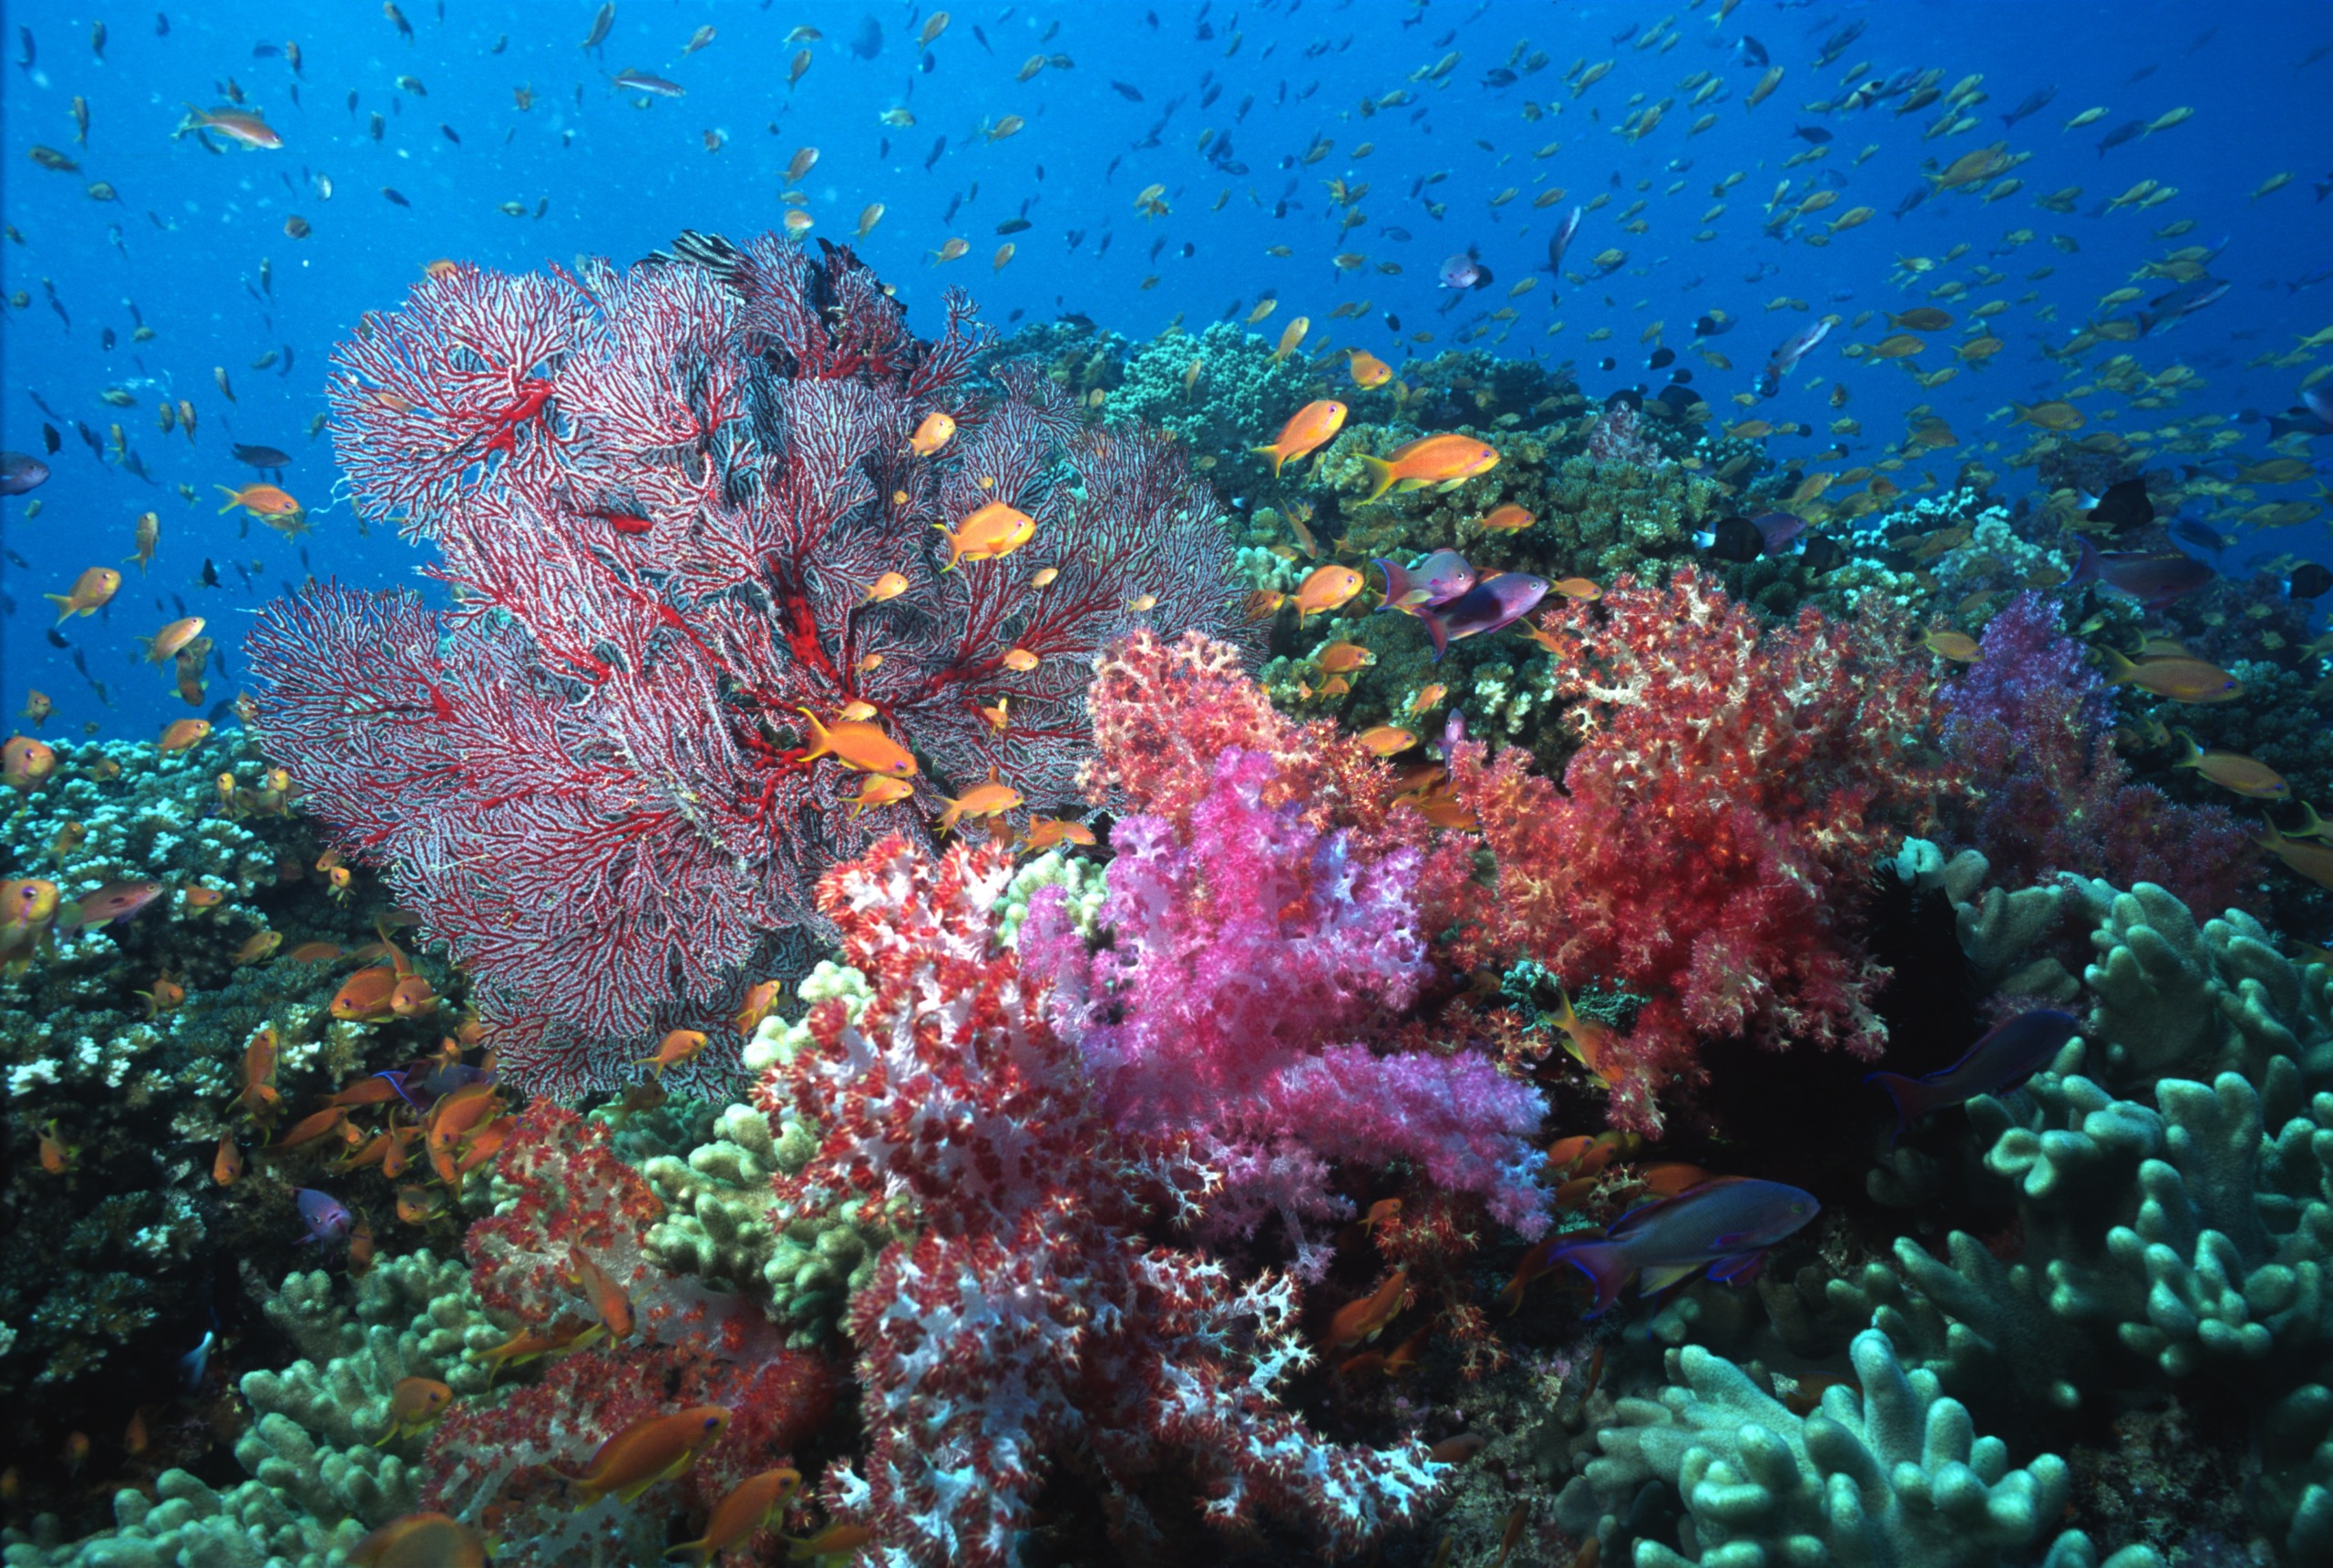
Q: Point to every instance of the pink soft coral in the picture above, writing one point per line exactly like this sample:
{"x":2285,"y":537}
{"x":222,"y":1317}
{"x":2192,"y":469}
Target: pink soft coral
{"x":1027,"y":1319}
{"x":1240,"y":948}
{"x":1733,"y":785}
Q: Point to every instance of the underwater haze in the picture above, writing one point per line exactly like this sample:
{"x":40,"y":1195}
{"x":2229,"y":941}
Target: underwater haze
{"x":1310,"y":780}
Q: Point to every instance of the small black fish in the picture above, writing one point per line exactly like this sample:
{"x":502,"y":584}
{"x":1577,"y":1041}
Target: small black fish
{"x":1733,"y":539}
{"x":1127,"y":91}
{"x":2124,"y":506}
{"x":1013,"y":226}
{"x":261,"y":457}
{"x":1662,"y":357}
{"x":2309,"y":580}
{"x":1751,"y":53}
{"x":1820,"y":554}
{"x":2129,"y":130}
{"x":394,"y":196}
{"x":210,"y":577}
{"x":57,"y":638}
{"x":1813,"y":134}
{"x":50,"y":439}
{"x":1499,"y":76}
{"x":451,"y":134}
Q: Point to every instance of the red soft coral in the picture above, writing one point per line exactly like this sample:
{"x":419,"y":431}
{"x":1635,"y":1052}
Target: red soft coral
{"x":1734,"y":784}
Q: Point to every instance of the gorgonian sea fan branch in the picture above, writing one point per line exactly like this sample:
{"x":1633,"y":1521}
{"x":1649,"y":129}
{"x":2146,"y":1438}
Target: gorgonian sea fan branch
{"x":659,"y":495}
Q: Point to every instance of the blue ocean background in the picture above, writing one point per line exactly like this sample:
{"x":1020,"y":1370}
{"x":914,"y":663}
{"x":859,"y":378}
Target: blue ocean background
{"x":194,"y":245}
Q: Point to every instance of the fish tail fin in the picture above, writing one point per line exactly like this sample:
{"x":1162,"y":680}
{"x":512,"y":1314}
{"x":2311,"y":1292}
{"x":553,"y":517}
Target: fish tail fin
{"x":1272,"y":452}
{"x":2314,"y":828}
{"x":825,"y":742}
{"x":2119,"y":668}
{"x":1605,"y":1264}
{"x":234,"y":498}
{"x":1397,"y":581}
{"x":2191,"y":754}
{"x":64,"y":603}
{"x":701,"y":1550}
{"x":955,"y":551}
{"x":951,"y":817}
{"x":1381,"y":475}
{"x":1435,"y":628}
{"x":1904,"y":1094}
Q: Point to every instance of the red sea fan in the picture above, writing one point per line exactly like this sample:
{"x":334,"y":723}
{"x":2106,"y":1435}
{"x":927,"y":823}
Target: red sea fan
{"x":662,"y":496}
{"x":1734,"y":784}
{"x":1028,"y":1322}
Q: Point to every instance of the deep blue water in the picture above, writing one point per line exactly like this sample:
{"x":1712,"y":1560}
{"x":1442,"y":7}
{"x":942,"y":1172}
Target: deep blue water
{"x":195,"y":244}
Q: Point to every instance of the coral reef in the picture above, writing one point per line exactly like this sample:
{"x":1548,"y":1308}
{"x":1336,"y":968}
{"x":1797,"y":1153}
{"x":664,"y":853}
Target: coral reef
{"x":679,"y":503}
{"x":1733,"y":786}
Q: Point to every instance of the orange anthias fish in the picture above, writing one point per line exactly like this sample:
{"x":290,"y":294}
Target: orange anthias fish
{"x":760,"y":1002}
{"x":880,"y":789}
{"x":750,"y":1506}
{"x":649,"y":1452}
{"x":91,"y":591}
{"x":992,"y":798}
{"x":1327,"y":588}
{"x":258,"y":1096}
{"x":1367,"y":369}
{"x":1592,"y":1042}
{"x":610,"y":1305}
{"x":233,"y":124}
{"x":183,"y":736}
{"x":173,"y":637}
{"x":1365,"y":1319}
{"x":993,"y":532}
{"x":2180,"y":680}
{"x":2246,"y":776}
{"x":1310,"y":427}
{"x":415,"y":1404}
{"x":1508,"y":519}
{"x":366,"y":996}
{"x":859,"y":745}
{"x":1044,"y":832}
{"x":421,"y":1541}
{"x":147,"y":534}
{"x":25,"y":763}
{"x":890,"y":585}
{"x":1444,"y":460}
{"x":934,"y":433}
{"x":259,"y":500}
{"x":681,"y":1045}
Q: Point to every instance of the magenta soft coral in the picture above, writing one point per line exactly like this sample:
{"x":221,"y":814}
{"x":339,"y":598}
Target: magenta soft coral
{"x":1734,"y":784}
{"x":1027,"y":1321}
{"x":1250,"y":952}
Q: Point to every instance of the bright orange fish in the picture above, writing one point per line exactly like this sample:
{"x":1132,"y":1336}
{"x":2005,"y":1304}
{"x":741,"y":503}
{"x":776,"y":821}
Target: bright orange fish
{"x":421,"y":1541}
{"x":934,"y":433}
{"x":1367,"y":369}
{"x":415,"y":1404}
{"x":993,"y":532}
{"x":25,"y":764}
{"x":859,"y":745}
{"x":760,"y":1002}
{"x":750,"y":1506}
{"x":173,"y":637}
{"x":1044,"y":832}
{"x":649,"y":1452}
{"x":879,"y":790}
{"x":1312,"y":426}
{"x":91,"y":590}
{"x":1444,"y":460}
{"x":1508,"y":519}
{"x":992,"y":798}
{"x":366,"y":995}
{"x":259,"y":500}
{"x":681,"y":1045}
{"x":1327,"y":588}
{"x":1365,"y":1318}
{"x":608,"y":1303}
{"x":183,"y":736}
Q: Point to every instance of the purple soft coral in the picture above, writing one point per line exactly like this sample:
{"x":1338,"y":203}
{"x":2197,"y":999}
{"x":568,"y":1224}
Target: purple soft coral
{"x":1236,"y":963}
{"x":2029,"y":724}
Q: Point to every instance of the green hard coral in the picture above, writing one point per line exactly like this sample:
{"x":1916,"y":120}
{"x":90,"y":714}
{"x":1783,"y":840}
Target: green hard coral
{"x":722,"y":1221}
{"x":1894,"y":1475}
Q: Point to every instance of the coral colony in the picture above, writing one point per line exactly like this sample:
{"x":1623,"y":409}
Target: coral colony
{"x":891,"y":975}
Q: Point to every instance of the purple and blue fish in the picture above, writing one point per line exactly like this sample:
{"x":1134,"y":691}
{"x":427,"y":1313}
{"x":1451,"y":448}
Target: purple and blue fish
{"x":2153,"y":578}
{"x":327,"y":1218}
{"x":1724,"y":1226}
{"x":2008,"y":1055}
{"x":1490,"y":605}
{"x":1437,"y":580}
